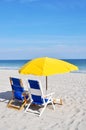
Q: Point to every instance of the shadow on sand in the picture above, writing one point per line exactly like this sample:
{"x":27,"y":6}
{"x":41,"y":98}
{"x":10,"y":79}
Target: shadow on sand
{"x":5,"y":96}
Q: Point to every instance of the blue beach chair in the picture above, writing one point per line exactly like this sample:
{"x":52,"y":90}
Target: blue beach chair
{"x":37,"y":97}
{"x":20,"y":96}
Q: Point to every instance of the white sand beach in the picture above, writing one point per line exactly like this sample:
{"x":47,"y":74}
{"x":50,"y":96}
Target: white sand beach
{"x":70,"y":87}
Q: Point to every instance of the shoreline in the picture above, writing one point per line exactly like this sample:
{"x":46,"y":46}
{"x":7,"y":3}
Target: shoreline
{"x":16,"y":69}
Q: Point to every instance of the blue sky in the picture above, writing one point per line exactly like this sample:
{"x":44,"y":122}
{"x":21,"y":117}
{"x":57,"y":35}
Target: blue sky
{"x":36,"y":28}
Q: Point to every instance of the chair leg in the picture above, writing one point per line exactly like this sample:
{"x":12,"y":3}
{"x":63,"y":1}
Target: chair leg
{"x":22,"y":105}
{"x":28,"y":106}
{"x":10,"y":105}
{"x":53,"y":105}
{"x":42,"y":110}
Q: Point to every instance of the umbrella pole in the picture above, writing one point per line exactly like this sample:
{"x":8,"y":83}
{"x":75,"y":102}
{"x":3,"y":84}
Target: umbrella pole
{"x":46,"y":82}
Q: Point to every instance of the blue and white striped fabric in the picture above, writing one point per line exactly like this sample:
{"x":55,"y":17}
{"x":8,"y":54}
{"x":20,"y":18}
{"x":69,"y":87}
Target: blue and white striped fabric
{"x":36,"y":92}
{"x":37,"y":97}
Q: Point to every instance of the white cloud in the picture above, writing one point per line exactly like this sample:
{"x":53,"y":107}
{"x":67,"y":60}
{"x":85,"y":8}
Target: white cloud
{"x":44,"y":41}
{"x":53,"y":46}
{"x":58,"y":51}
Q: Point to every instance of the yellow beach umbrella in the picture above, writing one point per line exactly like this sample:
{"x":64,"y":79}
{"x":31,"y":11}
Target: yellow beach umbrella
{"x":45,"y":66}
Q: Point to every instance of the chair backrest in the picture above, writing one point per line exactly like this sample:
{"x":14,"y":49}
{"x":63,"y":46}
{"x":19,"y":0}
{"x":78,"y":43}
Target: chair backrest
{"x":36,"y":92}
{"x":16,"y":84}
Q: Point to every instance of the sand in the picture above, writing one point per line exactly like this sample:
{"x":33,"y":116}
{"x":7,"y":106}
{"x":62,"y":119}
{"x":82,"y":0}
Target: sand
{"x":70,"y":87}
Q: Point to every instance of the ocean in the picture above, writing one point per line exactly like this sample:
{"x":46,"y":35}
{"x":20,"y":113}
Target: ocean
{"x":16,"y":64}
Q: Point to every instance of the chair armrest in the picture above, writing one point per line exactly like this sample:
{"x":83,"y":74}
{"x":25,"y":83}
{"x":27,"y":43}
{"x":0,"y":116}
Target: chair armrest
{"x":25,"y":94}
{"x":50,"y":94}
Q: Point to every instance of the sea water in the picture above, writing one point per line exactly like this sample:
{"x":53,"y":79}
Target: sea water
{"x":16,"y":64}
{"x":12,"y":64}
{"x":80,"y":63}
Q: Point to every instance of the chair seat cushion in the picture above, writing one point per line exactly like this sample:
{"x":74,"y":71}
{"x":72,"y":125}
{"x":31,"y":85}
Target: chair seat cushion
{"x":18,"y":95}
{"x":39,"y":100}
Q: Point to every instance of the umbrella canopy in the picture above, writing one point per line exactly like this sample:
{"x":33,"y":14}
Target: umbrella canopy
{"x":45,"y":66}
